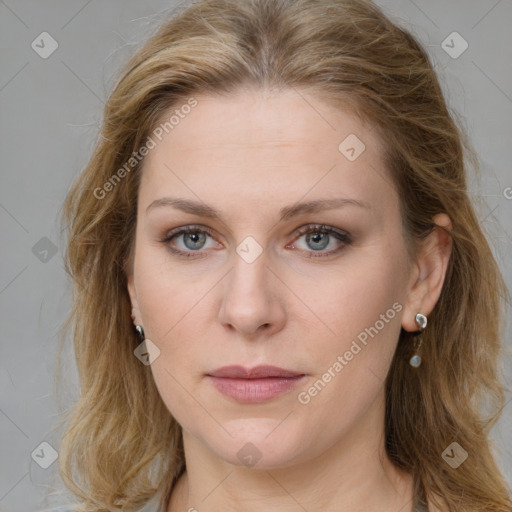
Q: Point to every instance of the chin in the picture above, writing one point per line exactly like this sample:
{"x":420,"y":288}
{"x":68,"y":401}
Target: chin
{"x":259,"y":443}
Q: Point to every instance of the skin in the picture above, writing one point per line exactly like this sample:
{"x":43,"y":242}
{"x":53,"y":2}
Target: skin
{"x":248,"y":155}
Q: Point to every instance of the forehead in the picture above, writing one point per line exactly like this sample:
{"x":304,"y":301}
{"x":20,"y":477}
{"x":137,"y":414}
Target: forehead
{"x":252,"y":143}
{"x":253,"y":119}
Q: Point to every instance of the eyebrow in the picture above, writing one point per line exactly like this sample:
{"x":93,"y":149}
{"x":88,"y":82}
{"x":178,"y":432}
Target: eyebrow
{"x":286,"y":213}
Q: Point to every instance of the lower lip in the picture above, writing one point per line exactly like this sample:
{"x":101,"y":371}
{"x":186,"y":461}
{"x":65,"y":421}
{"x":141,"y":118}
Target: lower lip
{"x":255,"y":390}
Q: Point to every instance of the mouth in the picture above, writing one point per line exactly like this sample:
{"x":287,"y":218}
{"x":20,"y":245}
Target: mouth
{"x":254,"y":385}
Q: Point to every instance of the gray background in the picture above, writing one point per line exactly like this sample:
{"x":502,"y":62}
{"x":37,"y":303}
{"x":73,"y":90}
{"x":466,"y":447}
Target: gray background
{"x":50,"y":110}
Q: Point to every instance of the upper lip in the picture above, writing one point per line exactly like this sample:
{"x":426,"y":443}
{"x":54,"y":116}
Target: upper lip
{"x":258,"y":372}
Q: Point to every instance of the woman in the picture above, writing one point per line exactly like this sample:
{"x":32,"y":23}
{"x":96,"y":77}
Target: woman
{"x":283,"y":297}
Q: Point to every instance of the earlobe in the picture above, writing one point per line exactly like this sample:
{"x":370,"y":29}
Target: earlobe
{"x":431,"y":267}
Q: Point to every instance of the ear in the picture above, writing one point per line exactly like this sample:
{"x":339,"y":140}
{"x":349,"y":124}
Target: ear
{"x":133,"y":299}
{"x":429,"y":272}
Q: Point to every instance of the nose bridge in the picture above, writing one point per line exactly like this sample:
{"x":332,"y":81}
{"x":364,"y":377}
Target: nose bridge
{"x":249,"y":275}
{"x":249,"y":298}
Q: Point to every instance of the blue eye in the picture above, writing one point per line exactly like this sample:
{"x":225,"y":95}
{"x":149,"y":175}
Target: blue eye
{"x":193,"y":238}
{"x":318,"y":238}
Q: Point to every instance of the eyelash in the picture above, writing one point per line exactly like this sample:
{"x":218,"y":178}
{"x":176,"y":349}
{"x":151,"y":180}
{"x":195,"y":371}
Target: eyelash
{"x":312,"y":228}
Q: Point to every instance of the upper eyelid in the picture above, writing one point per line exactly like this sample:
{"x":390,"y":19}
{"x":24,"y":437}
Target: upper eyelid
{"x":300,"y":231}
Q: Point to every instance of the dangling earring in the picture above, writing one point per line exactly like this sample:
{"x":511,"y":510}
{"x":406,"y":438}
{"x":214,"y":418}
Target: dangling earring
{"x":140,"y":333}
{"x":421,"y":321}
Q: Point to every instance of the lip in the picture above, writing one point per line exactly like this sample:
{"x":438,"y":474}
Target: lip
{"x":258,"y":372}
{"x":254,"y":385}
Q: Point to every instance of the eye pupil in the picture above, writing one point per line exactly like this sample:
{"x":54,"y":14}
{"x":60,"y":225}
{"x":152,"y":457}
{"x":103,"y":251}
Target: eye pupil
{"x":317,"y":237}
{"x":196,"y":244}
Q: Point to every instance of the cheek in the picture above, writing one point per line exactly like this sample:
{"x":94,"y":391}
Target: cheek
{"x":170,"y":306}
{"x":365,"y":314}
{"x":362,"y":307}
{"x":166,"y":294}
{"x":352,"y":298}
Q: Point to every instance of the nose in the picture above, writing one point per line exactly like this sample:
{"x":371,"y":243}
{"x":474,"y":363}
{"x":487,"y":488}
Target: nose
{"x":253,"y":298}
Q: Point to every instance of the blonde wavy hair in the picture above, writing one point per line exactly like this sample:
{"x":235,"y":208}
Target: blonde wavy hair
{"x":121,"y":447}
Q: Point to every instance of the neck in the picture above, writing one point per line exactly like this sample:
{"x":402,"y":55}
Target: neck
{"x":354,"y":475}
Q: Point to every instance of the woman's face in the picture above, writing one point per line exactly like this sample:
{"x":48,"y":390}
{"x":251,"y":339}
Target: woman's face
{"x":257,"y":282}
